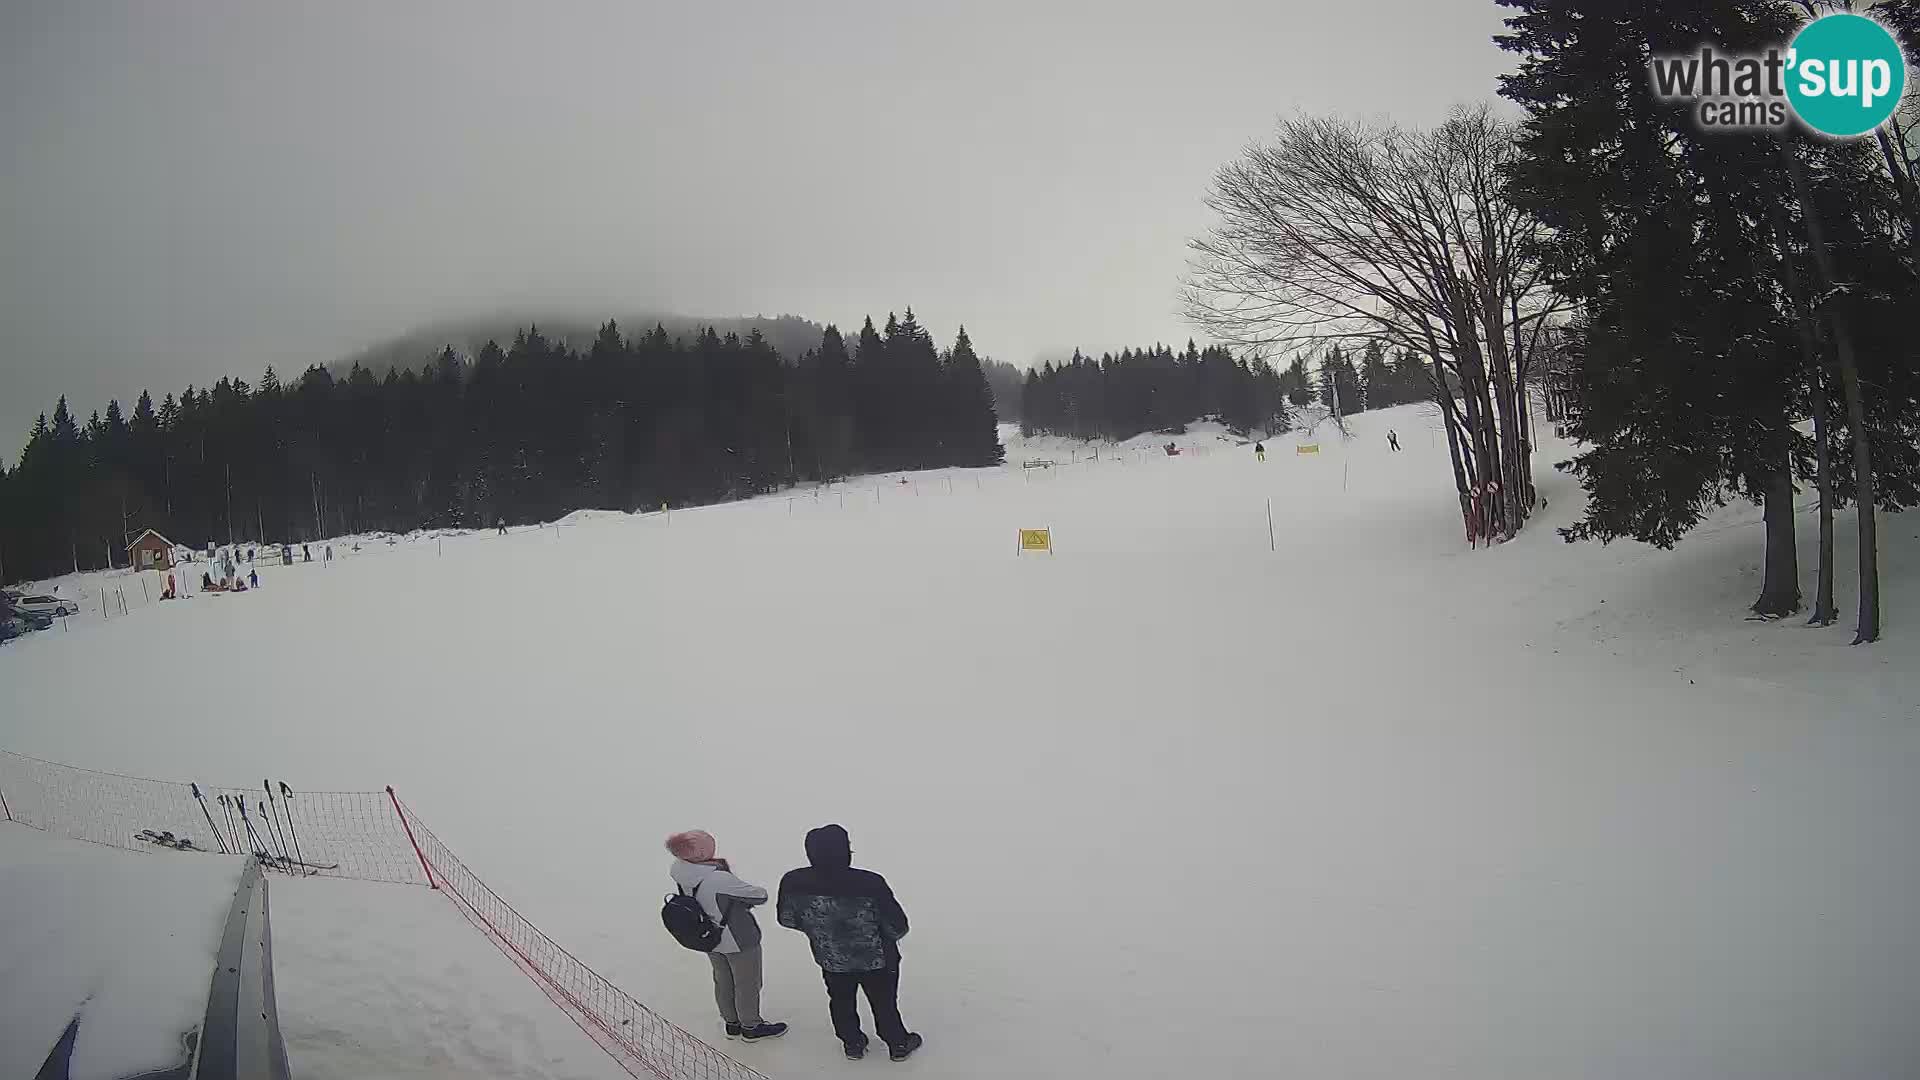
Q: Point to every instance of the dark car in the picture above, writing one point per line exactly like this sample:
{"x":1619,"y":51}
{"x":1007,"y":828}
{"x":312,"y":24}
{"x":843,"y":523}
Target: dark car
{"x":15,"y":621}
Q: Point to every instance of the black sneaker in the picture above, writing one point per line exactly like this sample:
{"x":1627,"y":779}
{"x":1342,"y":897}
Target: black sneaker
{"x":856,"y":1051}
{"x":733,"y":1031}
{"x":763,"y":1031}
{"x":905,"y":1050}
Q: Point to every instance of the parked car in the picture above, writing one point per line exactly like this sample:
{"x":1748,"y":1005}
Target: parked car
{"x":51,"y":606}
{"x":18,"y":623}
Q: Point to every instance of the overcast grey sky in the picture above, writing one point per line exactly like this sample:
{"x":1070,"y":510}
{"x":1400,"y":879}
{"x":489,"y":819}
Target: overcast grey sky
{"x":190,"y":189}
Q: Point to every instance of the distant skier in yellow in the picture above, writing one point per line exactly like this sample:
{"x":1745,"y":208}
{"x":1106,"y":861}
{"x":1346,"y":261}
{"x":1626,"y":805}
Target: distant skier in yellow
{"x":1260,"y":451}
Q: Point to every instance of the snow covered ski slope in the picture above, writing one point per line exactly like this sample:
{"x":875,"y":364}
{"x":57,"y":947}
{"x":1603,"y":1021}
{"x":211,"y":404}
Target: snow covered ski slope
{"x":1543,"y":811}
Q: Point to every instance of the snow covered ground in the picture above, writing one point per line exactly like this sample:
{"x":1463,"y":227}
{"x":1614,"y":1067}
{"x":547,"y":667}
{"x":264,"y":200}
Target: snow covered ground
{"x":122,"y":940}
{"x":1167,"y":802}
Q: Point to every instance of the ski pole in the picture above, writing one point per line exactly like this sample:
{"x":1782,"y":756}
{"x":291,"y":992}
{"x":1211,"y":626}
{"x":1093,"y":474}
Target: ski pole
{"x":233,"y":829}
{"x":286,"y":796}
{"x":259,"y":849}
{"x":275,"y":809}
{"x":208,"y":814}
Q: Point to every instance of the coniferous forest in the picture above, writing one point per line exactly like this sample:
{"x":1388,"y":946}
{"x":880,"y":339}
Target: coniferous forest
{"x":1157,"y":389}
{"x":525,"y":431}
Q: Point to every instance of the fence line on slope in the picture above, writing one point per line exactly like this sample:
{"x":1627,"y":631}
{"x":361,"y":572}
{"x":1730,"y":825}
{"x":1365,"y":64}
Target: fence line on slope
{"x":362,"y":835}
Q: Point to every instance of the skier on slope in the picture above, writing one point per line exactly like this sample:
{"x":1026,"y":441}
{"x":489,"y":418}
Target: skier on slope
{"x":729,"y":902}
{"x":854,"y":925}
{"x":1260,"y":451}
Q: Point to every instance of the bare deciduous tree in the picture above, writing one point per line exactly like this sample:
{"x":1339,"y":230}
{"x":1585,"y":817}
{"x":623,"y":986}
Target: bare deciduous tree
{"x":1341,"y":230}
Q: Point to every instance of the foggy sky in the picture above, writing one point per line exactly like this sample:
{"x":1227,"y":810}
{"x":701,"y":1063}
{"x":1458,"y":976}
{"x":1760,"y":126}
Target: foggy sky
{"x":192,"y":189}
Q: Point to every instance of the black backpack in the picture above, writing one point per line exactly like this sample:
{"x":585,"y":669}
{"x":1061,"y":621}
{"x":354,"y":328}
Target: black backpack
{"x":689,"y":923}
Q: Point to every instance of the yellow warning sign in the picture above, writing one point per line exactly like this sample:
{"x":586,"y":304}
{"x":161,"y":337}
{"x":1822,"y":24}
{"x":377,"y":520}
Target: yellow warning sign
{"x":1036,"y":540}
{"x":1307,"y":448}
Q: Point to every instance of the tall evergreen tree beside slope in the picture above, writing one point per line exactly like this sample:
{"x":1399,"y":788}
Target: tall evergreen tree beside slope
{"x":1686,"y":377}
{"x":971,"y":438}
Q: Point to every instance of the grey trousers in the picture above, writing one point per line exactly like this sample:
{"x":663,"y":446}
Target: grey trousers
{"x":736,"y":986}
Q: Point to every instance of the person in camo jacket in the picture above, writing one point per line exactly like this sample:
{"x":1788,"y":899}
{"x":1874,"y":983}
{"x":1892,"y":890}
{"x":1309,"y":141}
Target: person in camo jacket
{"x":729,"y":902}
{"x":854,"y":925}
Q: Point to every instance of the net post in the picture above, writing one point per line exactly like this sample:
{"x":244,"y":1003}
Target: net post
{"x":431,"y":884}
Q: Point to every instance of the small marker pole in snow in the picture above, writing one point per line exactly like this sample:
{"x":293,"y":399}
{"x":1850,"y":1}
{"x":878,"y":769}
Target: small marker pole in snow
{"x":416,"y":844}
{"x":4,"y":806}
{"x":1271,"y":546}
{"x":208,"y":814}
{"x":286,"y":796}
{"x":274,"y":808}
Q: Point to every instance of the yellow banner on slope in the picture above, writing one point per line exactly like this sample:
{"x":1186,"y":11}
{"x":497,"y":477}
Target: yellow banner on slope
{"x":1036,"y":540}
{"x":1307,"y":448}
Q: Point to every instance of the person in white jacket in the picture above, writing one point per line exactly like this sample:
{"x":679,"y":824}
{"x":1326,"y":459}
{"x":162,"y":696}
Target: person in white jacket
{"x":728,"y":901}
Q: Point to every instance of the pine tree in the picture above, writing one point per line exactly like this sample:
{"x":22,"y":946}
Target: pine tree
{"x":1379,"y":387}
{"x":1661,"y":234}
{"x":972,"y":437}
{"x":873,"y":390}
{"x":1299,"y":387}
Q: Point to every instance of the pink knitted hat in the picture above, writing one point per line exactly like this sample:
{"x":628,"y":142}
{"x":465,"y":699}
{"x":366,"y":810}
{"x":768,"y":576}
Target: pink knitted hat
{"x":695,"y":846}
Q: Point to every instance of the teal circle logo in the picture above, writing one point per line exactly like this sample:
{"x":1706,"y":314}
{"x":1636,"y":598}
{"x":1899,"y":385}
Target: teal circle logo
{"x":1845,"y":75}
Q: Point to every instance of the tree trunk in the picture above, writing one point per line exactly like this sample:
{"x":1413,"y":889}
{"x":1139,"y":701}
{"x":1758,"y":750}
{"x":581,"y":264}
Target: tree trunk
{"x":1823,"y":610}
{"x":1780,"y":589}
{"x":1902,"y":181}
{"x":1868,"y":628}
{"x":1810,"y":357}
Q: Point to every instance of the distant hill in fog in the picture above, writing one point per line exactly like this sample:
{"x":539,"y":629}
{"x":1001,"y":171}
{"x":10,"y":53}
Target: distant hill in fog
{"x":791,"y":335}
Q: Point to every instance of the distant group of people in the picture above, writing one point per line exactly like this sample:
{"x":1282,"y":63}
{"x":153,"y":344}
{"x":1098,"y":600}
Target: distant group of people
{"x":223,"y":567}
{"x":850,"y":916}
{"x":208,"y":584}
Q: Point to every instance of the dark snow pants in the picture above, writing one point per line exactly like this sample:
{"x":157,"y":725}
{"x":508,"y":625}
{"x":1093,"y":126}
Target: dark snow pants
{"x":883,"y":998}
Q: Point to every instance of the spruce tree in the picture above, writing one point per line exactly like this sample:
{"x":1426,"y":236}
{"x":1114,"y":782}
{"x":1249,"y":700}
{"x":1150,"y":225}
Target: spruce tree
{"x":1660,"y":232}
{"x":1379,"y":386}
{"x":972,"y":438}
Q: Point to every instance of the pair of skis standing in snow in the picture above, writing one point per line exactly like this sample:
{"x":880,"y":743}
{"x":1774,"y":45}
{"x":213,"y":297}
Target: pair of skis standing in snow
{"x":850,"y":917}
